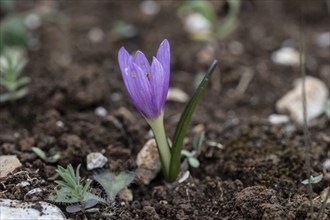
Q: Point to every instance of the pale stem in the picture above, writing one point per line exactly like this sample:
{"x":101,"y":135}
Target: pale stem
{"x":157,"y":126}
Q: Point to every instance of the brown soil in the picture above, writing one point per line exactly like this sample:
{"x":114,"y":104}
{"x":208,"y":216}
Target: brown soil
{"x":258,"y":172}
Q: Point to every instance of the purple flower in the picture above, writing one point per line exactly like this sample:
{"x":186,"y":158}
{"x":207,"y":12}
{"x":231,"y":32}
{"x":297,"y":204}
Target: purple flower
{"x":147,"y":84}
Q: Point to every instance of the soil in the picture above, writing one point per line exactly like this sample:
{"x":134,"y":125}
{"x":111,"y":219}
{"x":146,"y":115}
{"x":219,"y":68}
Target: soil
{"x":257,"y":171}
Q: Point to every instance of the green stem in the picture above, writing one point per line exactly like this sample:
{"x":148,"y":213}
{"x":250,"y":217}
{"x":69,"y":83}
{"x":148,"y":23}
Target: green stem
{"x":157,"y":126}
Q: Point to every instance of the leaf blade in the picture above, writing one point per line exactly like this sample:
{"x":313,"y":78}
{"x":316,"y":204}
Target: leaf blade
{"x":183,"y":124}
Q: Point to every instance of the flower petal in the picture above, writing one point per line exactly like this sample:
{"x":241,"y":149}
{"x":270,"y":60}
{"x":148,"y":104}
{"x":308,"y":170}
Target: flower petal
{"x":125,"y":61}
{"x":141,"y":60}
{"x":163,"y":55}
{"x":142,"y":94}
{"x":157,"y":82}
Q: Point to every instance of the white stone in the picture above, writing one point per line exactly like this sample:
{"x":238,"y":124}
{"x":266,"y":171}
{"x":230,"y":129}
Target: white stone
{"x":19,"y":210}
{"x":326,"y":165}
{"x":8,"y":163}
{"x":278,"y":119}
{"x":60,"y":124}
{"x":126,"y":195}
{"x":184,"y":177}
{"x":292,"y":101}
{"x":150,"y":7}
{"x":96,"y":35}
{"x":197,"y":23}
{"x":96,"y":160}
{"x":100,"y":111}
{"x":32,"y":21}
{"x":236,"y":47}
{"x":323,"y":39}
{"x":286,"y":56}
{"x":148,"y":162}
{"x":177,"y":95}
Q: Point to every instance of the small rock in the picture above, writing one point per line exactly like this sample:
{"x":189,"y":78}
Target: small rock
{"x":150,"y":7}
{"x":236,"y":48}
{"x":286,"y":56}
{"x":196,"y":23}
{"x":316,"y":97}
{"x":15,"y":210}
{"x":96,"y":35}
{"x":126,"y":195}
{"x":323,"y":39}
{"x":198,"y":128}
{"x":8,"y":163}
{"x":32,"y":21}
{"x":324,"y":195}
{"x":326,"y":164}
{"x":100,"y":111}
{"x":148,"y":162}
{"x":177,"y":95}
{"x":206,"y":55}
{"x":116,"y":96}
{"x":184,"y":177}
{"x":95,"y":160}
{"x":278,"y":119}
{"x":60,"y":124}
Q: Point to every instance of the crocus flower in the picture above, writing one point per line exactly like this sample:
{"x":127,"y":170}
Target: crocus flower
{"x":147,"y":85}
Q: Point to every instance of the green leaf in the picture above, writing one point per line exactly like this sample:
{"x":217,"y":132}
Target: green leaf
{"x":90,"y":196}
{"x":198,"y":140}
{"x":229,"y":24}
{"x":181,"y":128}
{"x":7,"y":5}
{"x":40,"y":153}
{"x":313,"y":179}
{"x":54,"y":158}
{"x":193,"y":162}
{"x":186,"y":153}
{"x":63,"y":195}
{"x":20,"y":93}
{"x":112,"y":183}
{"x":202,"y":7}
{"x":13,"y":31}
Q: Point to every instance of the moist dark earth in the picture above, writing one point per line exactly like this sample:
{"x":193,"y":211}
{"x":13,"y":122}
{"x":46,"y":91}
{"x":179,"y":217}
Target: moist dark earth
{"x":257,"y":171}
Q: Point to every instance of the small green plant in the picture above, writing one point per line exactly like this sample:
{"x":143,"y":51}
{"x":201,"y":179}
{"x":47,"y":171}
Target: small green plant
{"x":112,"y":183}
{"x":42,"y":154}
{"x":312,"y":179}
{"x":192,"y":156}
{"x":10,"y":75}
{"x":218,"y":30}
{"x":70,"y":190}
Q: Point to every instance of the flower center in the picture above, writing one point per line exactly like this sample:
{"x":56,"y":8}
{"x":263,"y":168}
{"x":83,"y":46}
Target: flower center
{"x":148,"y":76}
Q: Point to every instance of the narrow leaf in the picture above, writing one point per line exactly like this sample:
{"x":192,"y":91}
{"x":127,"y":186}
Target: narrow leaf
{"x":181,"y":128}
{"x":198,"y":140}
{"x":40,"y":153}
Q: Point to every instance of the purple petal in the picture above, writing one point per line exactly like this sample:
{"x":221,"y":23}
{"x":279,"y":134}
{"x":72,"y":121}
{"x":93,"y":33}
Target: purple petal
{"x":163,"y":55}
{"x":125,"y":61}
{"x":141,"y":93}
{"x":141,"y":60}
{"x":136,"y":82}
{"x":157,"y":78}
